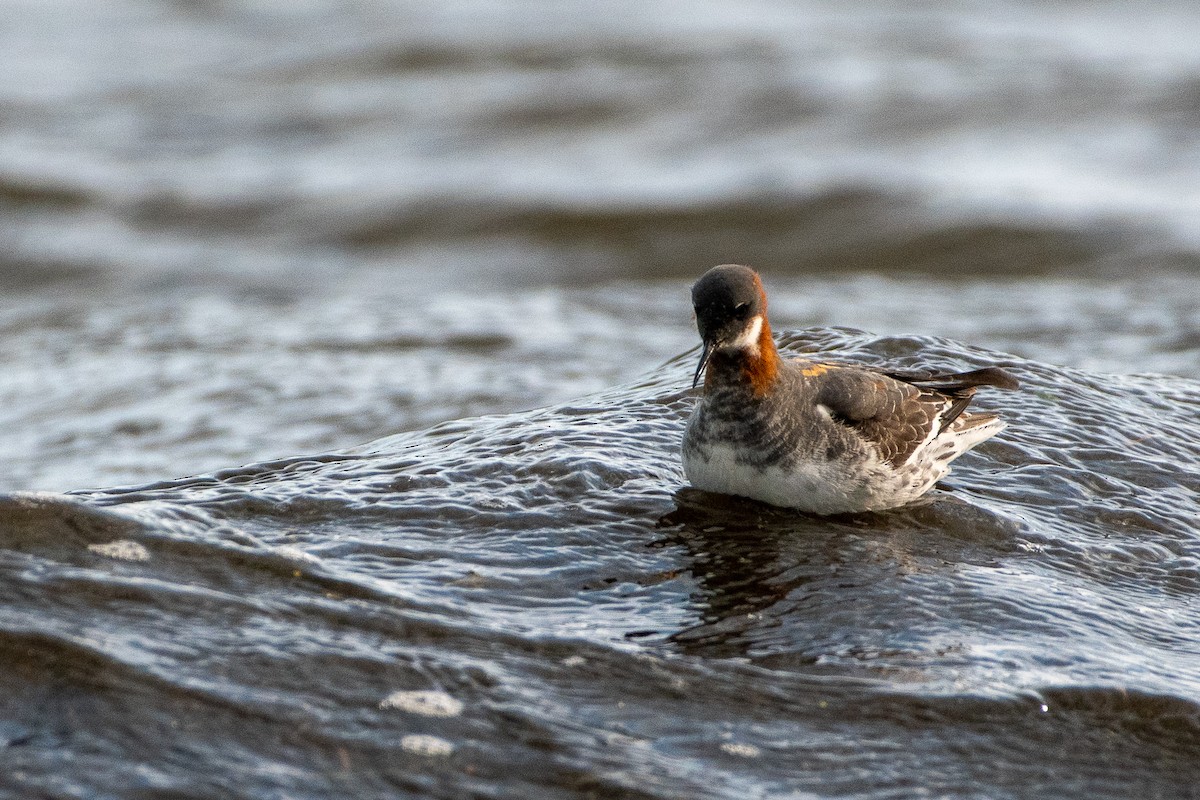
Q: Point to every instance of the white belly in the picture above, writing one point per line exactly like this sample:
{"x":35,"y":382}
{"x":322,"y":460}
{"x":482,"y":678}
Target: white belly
{"x":817,"y":487}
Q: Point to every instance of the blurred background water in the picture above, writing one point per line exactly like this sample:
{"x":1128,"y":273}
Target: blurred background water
{"x":236,"y":232}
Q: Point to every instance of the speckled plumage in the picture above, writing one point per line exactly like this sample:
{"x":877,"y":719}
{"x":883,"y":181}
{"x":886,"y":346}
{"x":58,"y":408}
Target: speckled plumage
{"x":823,"y":438}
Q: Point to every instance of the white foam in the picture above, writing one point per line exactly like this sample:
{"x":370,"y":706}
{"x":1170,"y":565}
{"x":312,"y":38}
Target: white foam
{"x":429,"y":703}
{"x":423,"y":744}
{"x":740,"y":749}
{"x":296,"y":554}
{"x":122,"y":550}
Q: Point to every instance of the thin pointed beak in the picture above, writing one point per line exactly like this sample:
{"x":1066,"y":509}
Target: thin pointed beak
{"x":705,"y":355}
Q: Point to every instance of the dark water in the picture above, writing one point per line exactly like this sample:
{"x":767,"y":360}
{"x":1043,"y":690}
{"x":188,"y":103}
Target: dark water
{"x":592,"y":628}
{"x":235,"y":232}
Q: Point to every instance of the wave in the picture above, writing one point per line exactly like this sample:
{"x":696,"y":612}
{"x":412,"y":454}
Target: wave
{"x":551,"y":576}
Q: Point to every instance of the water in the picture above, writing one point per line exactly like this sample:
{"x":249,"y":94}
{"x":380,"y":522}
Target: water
{"x":611,"y":633}
{"x":424,"y":269}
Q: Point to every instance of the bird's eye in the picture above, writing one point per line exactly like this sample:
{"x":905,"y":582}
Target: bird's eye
{"x":741,"y":310}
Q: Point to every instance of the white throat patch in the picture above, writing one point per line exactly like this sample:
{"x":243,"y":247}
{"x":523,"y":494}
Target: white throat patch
{"x":748,"y":340}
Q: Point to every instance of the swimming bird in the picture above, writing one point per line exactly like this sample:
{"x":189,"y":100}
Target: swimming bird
{"x":820,"y":437}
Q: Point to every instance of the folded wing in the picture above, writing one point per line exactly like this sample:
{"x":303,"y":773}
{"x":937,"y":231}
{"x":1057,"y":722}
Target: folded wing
{"x":899,"y":413}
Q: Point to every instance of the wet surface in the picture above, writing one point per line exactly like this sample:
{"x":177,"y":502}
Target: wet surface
{"x":423,"y":271}
{"x":585,"y":623}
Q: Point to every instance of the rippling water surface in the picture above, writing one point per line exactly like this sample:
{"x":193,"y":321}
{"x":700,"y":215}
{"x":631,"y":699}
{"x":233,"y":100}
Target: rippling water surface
{"x":424,"y":269}
{"x":589,"y":626}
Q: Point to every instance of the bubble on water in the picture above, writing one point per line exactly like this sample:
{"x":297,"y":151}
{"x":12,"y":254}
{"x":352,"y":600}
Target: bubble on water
{"x":741,"y":749}
{"x":122,"y":550}
{"x":293,"y":553}
{"x":423,"y":744}
{"x":429,"y":703}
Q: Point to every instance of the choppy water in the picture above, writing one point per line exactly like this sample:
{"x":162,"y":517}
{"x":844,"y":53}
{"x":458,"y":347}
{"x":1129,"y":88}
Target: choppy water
{"x":592,"y":628}
{"x":267,"y":233}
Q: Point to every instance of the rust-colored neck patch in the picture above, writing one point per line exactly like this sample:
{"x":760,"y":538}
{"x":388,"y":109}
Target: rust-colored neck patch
{"x":762,"y":368}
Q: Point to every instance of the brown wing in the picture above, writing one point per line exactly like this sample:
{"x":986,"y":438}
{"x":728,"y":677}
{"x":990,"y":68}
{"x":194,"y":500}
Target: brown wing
{"x":897,"y":415}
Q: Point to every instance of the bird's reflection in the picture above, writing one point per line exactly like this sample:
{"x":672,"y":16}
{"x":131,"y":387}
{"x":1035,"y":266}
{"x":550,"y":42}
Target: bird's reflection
{"x":773,"y":584}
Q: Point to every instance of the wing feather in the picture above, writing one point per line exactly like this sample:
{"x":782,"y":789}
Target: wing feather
{"x":897,"y":412}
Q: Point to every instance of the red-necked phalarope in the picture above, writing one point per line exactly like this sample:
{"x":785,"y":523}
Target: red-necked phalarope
{"x":823,"y":438}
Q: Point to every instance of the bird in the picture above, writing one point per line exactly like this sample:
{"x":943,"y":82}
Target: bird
{"x":823,"y":438}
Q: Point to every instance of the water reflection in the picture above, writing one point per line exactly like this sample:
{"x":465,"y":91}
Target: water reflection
{"x":781,"y":587}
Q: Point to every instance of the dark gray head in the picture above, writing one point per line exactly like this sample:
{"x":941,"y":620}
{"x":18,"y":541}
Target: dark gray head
{"x":730,"y":308}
